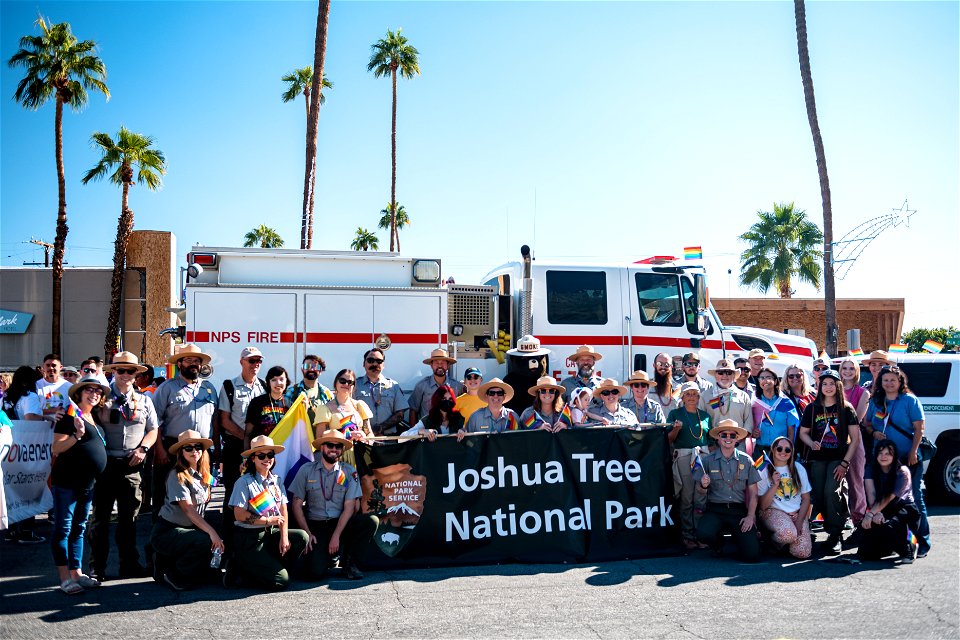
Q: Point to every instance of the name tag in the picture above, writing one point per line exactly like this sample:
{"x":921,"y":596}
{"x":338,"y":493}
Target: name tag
{"x":714,"y":470}
{"x":310,"y":481}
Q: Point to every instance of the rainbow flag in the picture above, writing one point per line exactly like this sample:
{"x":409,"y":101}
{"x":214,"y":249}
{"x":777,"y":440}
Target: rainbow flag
{"x":531,"y":420}
{"x":818,"y":517}
{"x":347,"y":425}
{"x":565,"y":417}
{"x":74,"y":411}
{"x":717,"y":402}
{"x":692,"y":253}
{"x":512,"y":423}
{"x":880,"y":415}
{"x":855,"y":352}
{"x":341,"y":478}
{"x":911,"y":539}
{"x":263,"y":502}
{"x":766,"y":417}
{"x":209,"y":480}
{"x":761,"y":463}
{"x":898,"y":348}
{"x":695,"y":464}
{"x":932,"y":346}
{"x":171,"y":370}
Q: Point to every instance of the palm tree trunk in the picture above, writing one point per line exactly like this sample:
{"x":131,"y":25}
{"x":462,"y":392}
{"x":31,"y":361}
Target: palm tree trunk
{"x":319,"y":51}
{"x":313,"y":182}
{"x":829,"y":291}
{"x":124,"y":227}
{"x":393,"y":164}
{"x":60,"y":241}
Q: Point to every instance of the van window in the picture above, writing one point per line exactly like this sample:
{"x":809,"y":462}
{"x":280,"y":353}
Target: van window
{"x":658,"y":295}
{"x":927,"y":379}
{"x":576,"y":297}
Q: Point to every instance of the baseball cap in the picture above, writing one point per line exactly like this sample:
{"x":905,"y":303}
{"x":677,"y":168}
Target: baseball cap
{"x":249,"y":352}
{"x":471,"y":371}
{"x":70,"y":369}
{"x":757,"y":352}
{"x":691,"y":357}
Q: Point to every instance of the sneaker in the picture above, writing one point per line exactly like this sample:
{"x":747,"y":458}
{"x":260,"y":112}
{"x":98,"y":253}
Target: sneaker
{"x":922,"y":554}
{"x":29,"y":537}
{"x":835,"y":544}
{"x":172,"y":582}
{"x":910,"y":555}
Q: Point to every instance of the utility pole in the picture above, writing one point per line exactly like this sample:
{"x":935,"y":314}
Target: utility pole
{"x":46,"y":250}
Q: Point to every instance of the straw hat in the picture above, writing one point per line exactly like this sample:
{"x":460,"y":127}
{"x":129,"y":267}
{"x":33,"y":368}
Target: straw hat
{"x":262,"y":443}
{"x":584,"y":350}
{"x":439,"y":354}
{"x":607,"y":385}
{"x":187,"y":351}
{"x":545,"y":382}
{"x":728,"y":425}
{"x":86,"y":381}
{"x":638,"y":376}
{"x":190,"y":437}
{"x":722,"y":365}
{"x":688,"y":386}
{"x":332,"y":435}
{"x":124,"y":360}
{"x":496,"y":382}
{"x":878,"y":356}
{"x":528,"y":346}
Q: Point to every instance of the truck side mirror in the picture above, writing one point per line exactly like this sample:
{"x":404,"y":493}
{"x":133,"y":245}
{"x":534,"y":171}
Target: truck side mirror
{"x":700,"y":289}
{"x":703,"y":322}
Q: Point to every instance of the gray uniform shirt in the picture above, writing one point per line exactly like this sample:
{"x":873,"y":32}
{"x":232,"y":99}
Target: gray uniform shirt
{"x":195,"y":492}
{"x":243,"y":393}
{"x":423,"y":393}
{"x":250,"y":485}
{"x":313,"y":483}
{"x":649,"y":411}
{"x":482,"y":421}
{"x":622,"y":416}
{"x":181,"y":406}
{"x":572,"y":383}
{"x":384,"y":397}
{"x":729,"y":477}
{"x":124,"y":436}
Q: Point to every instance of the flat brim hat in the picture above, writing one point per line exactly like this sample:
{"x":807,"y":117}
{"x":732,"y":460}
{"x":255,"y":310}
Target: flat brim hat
{"x":190,"y":437}
{"x":84,"y":382}
{"x":584,"y":350}
{"x":545,"y":382}
{"x":125,"y":360}
{"x":607,"y":385}
{"x":262,"y":443}
{"x":878,"y":356}
{"x":439,"y":354}
{"x":728,"y":425}
{"x":335,"y":437}
{"x":688,"y":386}
{"x":189,"y":351}
{"x":638,"y":376}
{"x":722,"y":365}
{"x":498,"y":383}
{"x":528,"y":346}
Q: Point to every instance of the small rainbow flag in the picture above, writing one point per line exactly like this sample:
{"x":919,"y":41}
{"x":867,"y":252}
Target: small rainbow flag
{"x":695,"y":464}
{"x":692,"y":253}
{"x":531,"y":420}
{"x":171,"y":370}
{"x":898,"y":348}
{"x":854,"y":352}
{"x":932,"y":346}
{"x":347,"y":424}
{"x":512,"y":423}
{"x":717,"y":402}
{"x":341,"y":478}
{"x":912,"y":539}
{"x":880,"y":415}
{"x":766,"y":417}
{"x":263,"y":502}
{"x":209,"y":480}
{"x":761,"y":463}
{"x":74,"y":411}
{"x":565,"y":416}
{"x":818,"y":517}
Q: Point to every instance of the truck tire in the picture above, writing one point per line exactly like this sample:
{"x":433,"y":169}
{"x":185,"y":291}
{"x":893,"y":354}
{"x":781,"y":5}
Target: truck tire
{"x":943,"y":474}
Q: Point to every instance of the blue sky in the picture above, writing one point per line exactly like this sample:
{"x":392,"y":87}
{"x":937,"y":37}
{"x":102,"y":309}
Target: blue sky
{"x":588,"y":130}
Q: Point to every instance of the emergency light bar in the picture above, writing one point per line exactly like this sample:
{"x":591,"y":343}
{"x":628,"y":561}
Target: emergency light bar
{"x":656,"y":260}
{"x":202,"y":259}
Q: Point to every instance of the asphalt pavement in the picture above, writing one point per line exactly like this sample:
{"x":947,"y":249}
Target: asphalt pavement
{"x":674,"y":597}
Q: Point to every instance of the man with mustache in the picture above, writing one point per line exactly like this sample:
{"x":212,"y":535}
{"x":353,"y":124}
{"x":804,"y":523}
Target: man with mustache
{"x":316,"y":394}
{"x":439,"y":362}
{"x":182,"y":403}
{"x":383,"y":395}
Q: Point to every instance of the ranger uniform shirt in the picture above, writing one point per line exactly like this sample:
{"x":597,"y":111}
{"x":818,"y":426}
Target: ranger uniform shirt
{"x":384,"y":397}
{"x":313,"y":484}
{"x":251,"y":485}
{"x":648,"y":412}
{"x":622,"y":416}
{"x":423,"y":393}
{"x":243,"y":393}
{"x":181,"y":406}
{"x":482,"y":421}
{"x":195,"y":493}
{"x":135,"y":418}
{"x":729,"y":477}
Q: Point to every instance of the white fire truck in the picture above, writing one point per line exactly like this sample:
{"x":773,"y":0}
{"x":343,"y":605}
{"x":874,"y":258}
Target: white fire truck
{"x":289,"y":303}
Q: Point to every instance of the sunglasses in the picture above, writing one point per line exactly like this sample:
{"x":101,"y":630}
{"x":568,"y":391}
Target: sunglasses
{"x":548,"y":392}
{"x":269,"y":455}
{"x":691,"y":364}
{"x":820,"y":368}
{"x":96,"y":390}
{"x":190,"y":448}
{"x":727,"y":436}
{"x":331,"y":445}
{"x":661,"y":364}
{"x":346,"y":383}
{"x":795,"y":376}
{"x":88,"y":370}
{"x":128,"y":372}
{"x":783,"y":449}
{"x":744,"y":369}
{"x":725,"y":373}
{"x":637,"y":385}
{"x":473,"y":376}
{"x":255,"y":360}
{"x":610,"y":392}
{"x":496,"y":392}
{"x":311,"y":366}
{"x":374,"y":361}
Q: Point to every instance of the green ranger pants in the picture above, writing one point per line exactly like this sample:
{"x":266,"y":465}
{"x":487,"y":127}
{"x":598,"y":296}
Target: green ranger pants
{"x":256,"y":554}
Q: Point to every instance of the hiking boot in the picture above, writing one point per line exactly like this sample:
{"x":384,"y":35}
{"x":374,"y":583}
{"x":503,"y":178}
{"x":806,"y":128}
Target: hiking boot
{"x":834,"y":544}
{"x":910,"y":555}
{"x":351,"y":572}
{"x":174,"y":583}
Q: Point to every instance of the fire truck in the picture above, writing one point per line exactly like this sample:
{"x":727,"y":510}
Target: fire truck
{"x":289,"y":303}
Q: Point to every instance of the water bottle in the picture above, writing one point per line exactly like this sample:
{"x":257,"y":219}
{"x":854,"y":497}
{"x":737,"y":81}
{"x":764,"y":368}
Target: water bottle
{"x":215,"y":559}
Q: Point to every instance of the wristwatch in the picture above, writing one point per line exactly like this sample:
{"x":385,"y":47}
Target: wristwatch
{"x":144,"y":449}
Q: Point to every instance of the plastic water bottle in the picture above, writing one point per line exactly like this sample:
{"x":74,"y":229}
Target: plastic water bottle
{"x":215,"y":559}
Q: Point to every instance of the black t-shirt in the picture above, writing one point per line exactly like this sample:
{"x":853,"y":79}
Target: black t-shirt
{"x":264,"y":414}
{"x":79,"y":466}
{"x":828,"y":428}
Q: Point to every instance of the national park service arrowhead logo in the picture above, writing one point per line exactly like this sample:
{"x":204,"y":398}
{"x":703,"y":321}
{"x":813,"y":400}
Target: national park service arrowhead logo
{"x":396,"y":496}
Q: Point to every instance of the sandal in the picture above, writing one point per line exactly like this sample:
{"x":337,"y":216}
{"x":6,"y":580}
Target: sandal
{"x":87,"y":582}
{"x":71,"y":587}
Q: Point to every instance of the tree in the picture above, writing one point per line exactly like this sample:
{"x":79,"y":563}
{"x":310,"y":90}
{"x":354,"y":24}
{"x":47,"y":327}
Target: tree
{"x":915,"y":338}
{"x":806,"y":77}
{"x":392,"y":55}
{"x":131,"y":150}
{"x":58,"y":66}
{"x":299,"y":81}
{"x":365,"y":241}
{"x":263,"y":237}
{"x":399,"y":221}
{"x":313,"y":119}
{"x":783,"y":245}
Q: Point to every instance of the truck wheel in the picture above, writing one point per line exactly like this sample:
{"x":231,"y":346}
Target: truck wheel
{"x":943,"y":475}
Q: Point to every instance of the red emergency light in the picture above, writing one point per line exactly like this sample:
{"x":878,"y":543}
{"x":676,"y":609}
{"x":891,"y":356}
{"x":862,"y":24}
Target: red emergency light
{"x":656,"y":260}
{"x":202,"y":259}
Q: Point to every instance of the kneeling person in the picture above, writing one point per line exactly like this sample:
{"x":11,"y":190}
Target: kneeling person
{"x":331,"y":491}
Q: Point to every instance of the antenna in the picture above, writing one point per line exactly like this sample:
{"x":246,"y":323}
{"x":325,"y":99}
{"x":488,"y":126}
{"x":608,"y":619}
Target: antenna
{"x":852,"y":245}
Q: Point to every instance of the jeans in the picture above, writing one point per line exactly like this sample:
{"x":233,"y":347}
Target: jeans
{"x":923,"y":527}
{"x":70,"y":510}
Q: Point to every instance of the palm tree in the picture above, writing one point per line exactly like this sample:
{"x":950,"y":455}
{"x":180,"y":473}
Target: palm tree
{"x":58,"y":66}
{"x":299,"y":84}
{"x":806,"y":77}
{"x":313,"y":119}
{"x":400,"y":220}
{"x":130,"y":150}
{"x":391,"y":55}
{"x":263,"y":237}
{"x":783,"y":245}
{"x":365,"y":241}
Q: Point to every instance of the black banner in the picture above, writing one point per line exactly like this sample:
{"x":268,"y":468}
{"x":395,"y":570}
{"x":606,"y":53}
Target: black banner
{"x":576,"y":495}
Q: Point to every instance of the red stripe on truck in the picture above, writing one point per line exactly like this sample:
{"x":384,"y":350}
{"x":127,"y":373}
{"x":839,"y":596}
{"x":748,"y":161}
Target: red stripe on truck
{"x":797,"y":351}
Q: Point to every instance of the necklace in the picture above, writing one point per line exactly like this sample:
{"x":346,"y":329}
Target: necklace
{"x":683,"y":418}
{"x":660,"y":399}
{"x":323,"y":487}
{"x":736,"y":477}
{"x":277,"y":409}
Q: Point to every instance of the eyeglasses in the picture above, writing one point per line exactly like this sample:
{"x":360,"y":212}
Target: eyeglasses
{"x":795,"y":376}
{"x":610,"y":392}
{"x":496,"y":392}
{"x":269,"y":455}
{"x":332,"y":445}
{"x":88,"y":370}
{"x":96,"y":390}
{"x":727,"y":436}
{"x":126,"y":372}
{"x":783,"y":449}
{"x":473,"y":376}
{"x":346,"y":383}
{"x":188,"y":361}
{"x":255,"y":360}
{"x":190,"y":448}
{"x":637,"y":385}
{"x":548,"y":392}
{"x":374,"y":361}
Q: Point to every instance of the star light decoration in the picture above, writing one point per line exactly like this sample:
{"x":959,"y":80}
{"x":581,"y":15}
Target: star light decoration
{"x":848,"y":248}
{"x":903,"y":214}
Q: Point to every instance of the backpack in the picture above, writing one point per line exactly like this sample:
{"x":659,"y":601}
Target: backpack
{"x":228,"y":387}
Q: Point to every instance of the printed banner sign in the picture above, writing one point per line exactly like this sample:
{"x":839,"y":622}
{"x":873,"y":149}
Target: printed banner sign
{"x":25,"y":464}
{"x":530,"y":496}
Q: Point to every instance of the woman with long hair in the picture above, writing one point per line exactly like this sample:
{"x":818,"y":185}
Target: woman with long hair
{"x":859,"y":398}
{"x":181,"y":539}
{"x":346,"y":415}
{"x":774,"y":415}
{"x":784,"y":492}
{"x":796,"y":387}
{"x":894,"y":413}
{"x":20,"y":399}
{"x":829,"y":428}
{"x":547,"y":407}
{"x":443,"y":418}
{"x":890,"y":522}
